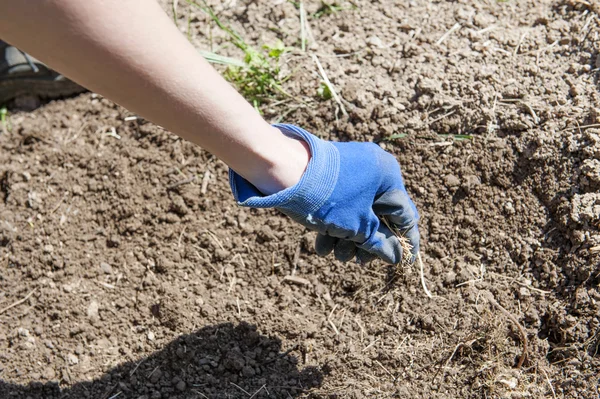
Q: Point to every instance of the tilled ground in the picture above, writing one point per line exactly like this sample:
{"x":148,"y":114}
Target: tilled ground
{"x":143,"y":279}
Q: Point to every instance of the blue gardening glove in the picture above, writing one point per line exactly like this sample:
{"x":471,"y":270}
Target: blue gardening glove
{"x":344,"y":191}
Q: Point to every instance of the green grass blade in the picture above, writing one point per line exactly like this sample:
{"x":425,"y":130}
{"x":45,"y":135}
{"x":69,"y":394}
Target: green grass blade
{"x":221,"y":59}
{"x":396,"y":136}
{"x":457,"y":137}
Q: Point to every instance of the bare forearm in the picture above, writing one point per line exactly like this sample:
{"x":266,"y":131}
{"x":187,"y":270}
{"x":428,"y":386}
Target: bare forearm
{"x":130,"y":52}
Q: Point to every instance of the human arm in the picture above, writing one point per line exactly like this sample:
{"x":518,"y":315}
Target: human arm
{"x":131,"y":53}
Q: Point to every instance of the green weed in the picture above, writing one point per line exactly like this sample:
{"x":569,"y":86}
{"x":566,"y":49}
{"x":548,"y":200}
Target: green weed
{"x":4,"y":119}
{"x":258,"y":75}
{"x":330,"y":9}
{"x":324,"y":91}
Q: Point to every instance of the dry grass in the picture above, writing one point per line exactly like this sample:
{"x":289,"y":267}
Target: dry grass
{"x":407,"y":255}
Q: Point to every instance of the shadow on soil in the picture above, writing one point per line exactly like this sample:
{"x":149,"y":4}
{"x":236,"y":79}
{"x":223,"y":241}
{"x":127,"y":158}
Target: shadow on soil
{"x":220,"y":361}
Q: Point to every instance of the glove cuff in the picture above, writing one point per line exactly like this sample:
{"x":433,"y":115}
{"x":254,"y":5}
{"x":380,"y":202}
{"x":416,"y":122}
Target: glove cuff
{"x":313,"y":189}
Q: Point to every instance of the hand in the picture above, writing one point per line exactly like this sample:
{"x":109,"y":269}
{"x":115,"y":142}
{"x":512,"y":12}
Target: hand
{"x":345,"y":190}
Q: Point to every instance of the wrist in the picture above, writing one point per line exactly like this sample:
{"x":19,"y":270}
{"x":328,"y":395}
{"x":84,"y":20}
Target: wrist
{"x":285,"y":159}
{"x":313,"y":189}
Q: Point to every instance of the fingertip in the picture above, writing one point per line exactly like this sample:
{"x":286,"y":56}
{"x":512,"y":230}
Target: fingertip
{"x":324,"y":244}
{"x":391,"y":248}
{"x":394,"y":255}
{"x":363,"y":257}
{"x":344,"y":250}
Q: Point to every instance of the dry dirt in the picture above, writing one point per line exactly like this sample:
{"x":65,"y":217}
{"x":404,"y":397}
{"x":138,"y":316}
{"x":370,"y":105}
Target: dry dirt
{"x":143,"y":279}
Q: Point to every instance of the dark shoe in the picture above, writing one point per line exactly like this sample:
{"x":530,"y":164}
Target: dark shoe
{"x":23,"y":75}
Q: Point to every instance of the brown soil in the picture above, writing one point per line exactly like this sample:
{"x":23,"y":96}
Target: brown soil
{"x":143,"y":287}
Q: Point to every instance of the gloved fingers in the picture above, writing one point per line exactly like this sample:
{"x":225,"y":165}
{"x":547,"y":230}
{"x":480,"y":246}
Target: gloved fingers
{"x":344,"y":250}
{"x":363,"y":257}
{"x":400,"y":212}
{"x":384,"y":244}
{"x":324,"y":244}
{"x":397,"y":205}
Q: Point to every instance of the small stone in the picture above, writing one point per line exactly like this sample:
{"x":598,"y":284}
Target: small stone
{"x":23,"y":332}
{"x":509,"y":208}
{"x":48,"y":249}
{"x":180,"y":386}
{"x":114,"y":241}
{"x":26,"y":176}
{"x":222,"y":254}
{"x":106,"y":268}
{"x":296,"y":280}
{"x":242,"y":217}
{"x":248,"y":371}
{"x":150,"y":336}
{"x":49,"y":374}
{"x":511,"y":383}
{"x":68,"y":288}
{"x":38,"y":330}
{"x":452,"y":181}
{"x":77,"y":190}
{"x":72,"y":359}
{"x":471,"y":181}
{"x":208,"y":311}
{"x":92,"y":310}
{"x":375,"y":41}
{"x":49,"y":344}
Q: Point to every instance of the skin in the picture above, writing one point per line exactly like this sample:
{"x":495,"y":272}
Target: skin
{"x":130,"y":52}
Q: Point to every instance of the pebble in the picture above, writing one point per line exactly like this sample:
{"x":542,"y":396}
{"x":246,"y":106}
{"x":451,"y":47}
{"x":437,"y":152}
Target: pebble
{"x":248,"y":371}
{"x":375,"y":41}
{"x":23,"y":332}
{"x":114,"y":241}
{"x":92,"y":310}
{"x":72,"y":359}
{"x":511,"y":383}
{"x":524,"y":292}
{"x":452,"y":181}
{"x":48,"y":373}
{"x":106,"y":268}
{"x":77,"y":190}
{"x":208,"y":311}
{"x":509,"y":208}
{"x":48,"y":249}
{"x":180,"y":386}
